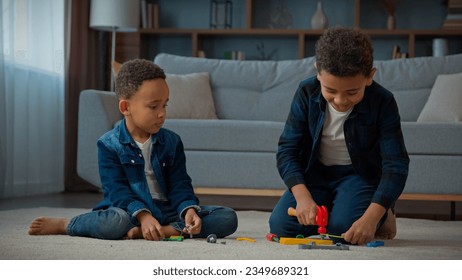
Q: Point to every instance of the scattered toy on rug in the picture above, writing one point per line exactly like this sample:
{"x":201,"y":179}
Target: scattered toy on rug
{"x":313,"y":245}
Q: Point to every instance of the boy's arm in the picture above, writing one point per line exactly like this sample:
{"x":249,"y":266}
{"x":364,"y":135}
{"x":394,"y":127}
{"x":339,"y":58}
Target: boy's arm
{"x":181,"y":193}
{"x":291,"y":142}
{"x":395,"y":160}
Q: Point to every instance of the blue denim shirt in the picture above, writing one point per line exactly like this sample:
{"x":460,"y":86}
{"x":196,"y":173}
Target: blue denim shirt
{"x":121,"y":168}
{"x":372,"y":134}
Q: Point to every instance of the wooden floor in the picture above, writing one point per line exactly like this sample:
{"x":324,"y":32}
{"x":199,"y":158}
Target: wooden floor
{"x":435,"y":210}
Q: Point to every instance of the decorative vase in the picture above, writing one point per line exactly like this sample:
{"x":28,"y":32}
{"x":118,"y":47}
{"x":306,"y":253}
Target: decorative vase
{"x":319,"y":19}
{"x":391,"y":22}
{"x":440,"y":47}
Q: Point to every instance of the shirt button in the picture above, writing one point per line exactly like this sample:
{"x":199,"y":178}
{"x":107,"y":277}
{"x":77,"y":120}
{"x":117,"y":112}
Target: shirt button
{"x":140,"y":155}
{"x":132,"y":161}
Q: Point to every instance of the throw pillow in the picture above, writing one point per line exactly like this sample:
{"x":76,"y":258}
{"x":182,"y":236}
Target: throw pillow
{"x":445,"y":101}
{"x":190,"y":97}
{"x":115,"y":68}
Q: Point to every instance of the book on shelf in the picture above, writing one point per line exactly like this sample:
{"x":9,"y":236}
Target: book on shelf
{"x":143,"y":13}
{"x":454,"y":4}
{"x":452,"y":24}
{"x":396,"y":54}
{"x":149,"y":14}
{"x":454,"y":17}
{"x":201,"y":53}
{"x":234,"y":55}
{"x":395,"y":51}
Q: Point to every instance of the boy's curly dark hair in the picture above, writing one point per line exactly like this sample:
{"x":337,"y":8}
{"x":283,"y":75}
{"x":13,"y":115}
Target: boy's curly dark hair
{"x":133,"y":73}
{"x":344,"y":52}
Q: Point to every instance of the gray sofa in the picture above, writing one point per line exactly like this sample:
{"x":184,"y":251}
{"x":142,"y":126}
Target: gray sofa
{"x":235,"y":154}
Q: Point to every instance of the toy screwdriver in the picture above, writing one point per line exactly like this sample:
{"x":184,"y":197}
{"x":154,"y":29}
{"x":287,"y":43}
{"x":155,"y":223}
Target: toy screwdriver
{"x":272,"y":237}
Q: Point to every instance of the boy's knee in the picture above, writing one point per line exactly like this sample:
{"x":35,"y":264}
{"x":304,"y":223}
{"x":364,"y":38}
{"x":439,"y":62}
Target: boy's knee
{"x":279,"y":224}
{"x":228,"y":221}
{"x":116,"y":224}
{"x":274,"y":223}
{"x":339,"y":226}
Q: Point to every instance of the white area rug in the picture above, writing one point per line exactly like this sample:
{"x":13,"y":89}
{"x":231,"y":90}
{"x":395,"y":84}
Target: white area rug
{"x":416,"y":240}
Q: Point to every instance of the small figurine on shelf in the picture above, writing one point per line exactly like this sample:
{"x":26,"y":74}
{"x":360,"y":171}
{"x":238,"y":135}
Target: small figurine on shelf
{"x":390,"y":7}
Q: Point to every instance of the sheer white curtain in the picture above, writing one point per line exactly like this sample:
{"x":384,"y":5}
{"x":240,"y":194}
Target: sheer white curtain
{"x":32,"y":71}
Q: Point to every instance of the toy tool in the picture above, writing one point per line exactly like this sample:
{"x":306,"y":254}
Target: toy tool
{"x":377,"y":243}
{"x":272,"y":237}
{"x":212,"y":238}
{"x":178,"y":238}
{"x":246,"y":239}
{"x":321,"y":217}
{"x":312,"y":245}
{"x":304,"y":241}
{"x":188,"y":230}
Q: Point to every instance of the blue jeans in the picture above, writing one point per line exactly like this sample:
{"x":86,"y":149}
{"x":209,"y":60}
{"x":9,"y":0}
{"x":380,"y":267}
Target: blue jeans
{"x":339,"y":188}
{"x":114,"y":223}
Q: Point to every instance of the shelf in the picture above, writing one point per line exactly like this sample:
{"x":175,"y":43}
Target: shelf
{"x":259,"y":31}
{"x":189,"y":41}
{"x":262,"y":31}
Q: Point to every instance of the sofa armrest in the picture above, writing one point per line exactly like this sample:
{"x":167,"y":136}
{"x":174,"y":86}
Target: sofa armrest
{"x":98,"y":112}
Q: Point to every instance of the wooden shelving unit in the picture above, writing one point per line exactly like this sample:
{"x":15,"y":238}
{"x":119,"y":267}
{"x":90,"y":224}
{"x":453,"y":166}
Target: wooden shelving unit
{"x":133,"y":45}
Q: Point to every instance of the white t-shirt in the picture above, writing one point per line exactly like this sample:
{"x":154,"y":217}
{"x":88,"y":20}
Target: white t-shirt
{"x":153,"y":185}
{"x":333,"y":149}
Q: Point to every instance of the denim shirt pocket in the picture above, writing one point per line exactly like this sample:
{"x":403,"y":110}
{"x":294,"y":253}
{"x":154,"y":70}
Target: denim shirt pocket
{"x":133,"y":165}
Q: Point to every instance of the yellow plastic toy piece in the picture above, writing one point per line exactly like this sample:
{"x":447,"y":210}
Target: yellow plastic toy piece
{"x":245,"y":239}
{"x":298,"y":241}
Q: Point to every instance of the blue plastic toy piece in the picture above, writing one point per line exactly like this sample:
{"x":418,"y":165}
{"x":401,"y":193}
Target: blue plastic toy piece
{"x":375,"y":244}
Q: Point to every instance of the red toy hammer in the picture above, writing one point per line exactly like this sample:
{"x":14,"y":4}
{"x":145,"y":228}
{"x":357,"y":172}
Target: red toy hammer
{"x":321,"y":217}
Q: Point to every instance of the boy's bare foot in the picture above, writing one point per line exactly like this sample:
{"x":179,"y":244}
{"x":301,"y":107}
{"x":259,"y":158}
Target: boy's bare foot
{"x":388,"y":229}
{"x":46,"y":226}
{"x":134,"y":233}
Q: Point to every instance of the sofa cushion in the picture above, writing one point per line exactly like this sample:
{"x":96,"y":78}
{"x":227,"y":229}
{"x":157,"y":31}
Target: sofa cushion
{"x":227,"y":135}
{"x":411,"y":102}
{"x":222,"y":169}
{"x":445,"y":101}
{"x":432,"y":138}
{"x":246,"y":90}
{"x":190,"y":96}
{"x":411,"y":80}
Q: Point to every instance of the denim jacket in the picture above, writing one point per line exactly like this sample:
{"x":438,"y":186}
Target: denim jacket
{"x":121,"y":168}
{"x":372,"y":134}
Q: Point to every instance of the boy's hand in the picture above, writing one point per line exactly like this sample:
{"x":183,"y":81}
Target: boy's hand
{"x":193,"y":221}
{"x":363,"y":230}
{"x":306,"y":207}
{"x":306,"y":212}
{"x":150,"y":227}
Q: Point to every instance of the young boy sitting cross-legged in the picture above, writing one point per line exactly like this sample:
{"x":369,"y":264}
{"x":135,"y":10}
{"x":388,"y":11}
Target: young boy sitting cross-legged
{"x":147,"y":190}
